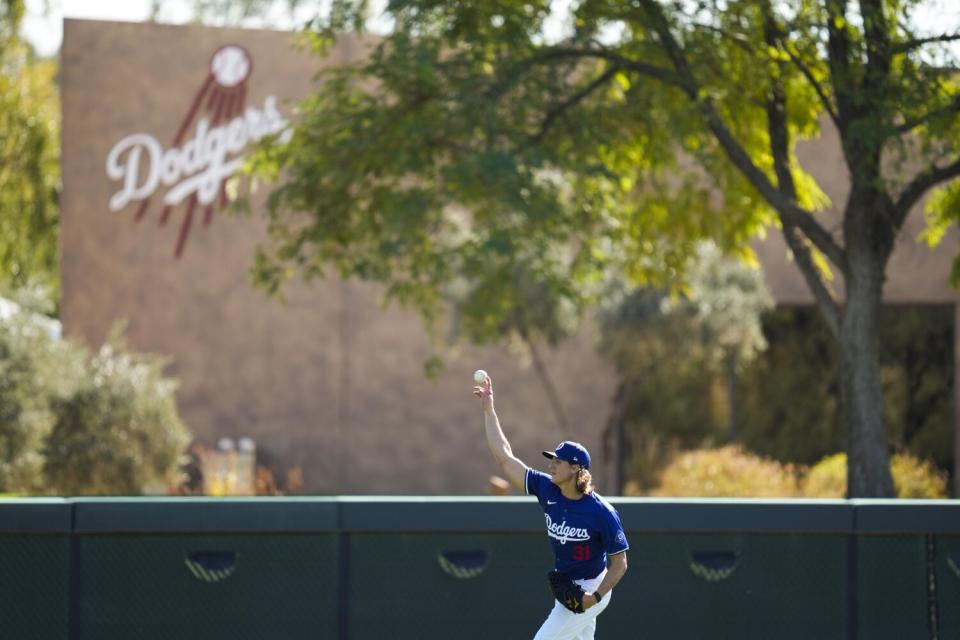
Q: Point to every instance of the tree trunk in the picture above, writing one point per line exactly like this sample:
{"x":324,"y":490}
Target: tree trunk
{"x":868,"y":458}
{"x":731,"y":362}
{"x":615,"y":440}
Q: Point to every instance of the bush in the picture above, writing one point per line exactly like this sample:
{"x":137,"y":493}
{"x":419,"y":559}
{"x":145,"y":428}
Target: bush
{"x":731,"y":472}
{"x":119,"y":432}
{"x":827,"y":478}
{"x":35,"y":369}
{"x":727,"y":472}
{"x":70,"y":423}
{"x":913,"y":478}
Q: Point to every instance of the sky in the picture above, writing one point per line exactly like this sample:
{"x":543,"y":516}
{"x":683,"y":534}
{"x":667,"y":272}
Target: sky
{"x":43,"y":25}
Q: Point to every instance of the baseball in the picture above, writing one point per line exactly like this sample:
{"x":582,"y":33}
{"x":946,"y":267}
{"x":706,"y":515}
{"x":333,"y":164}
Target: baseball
{"x":479,"y":376}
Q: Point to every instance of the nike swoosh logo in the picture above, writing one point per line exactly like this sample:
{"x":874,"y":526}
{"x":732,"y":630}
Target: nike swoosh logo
{"x":549,"y":502}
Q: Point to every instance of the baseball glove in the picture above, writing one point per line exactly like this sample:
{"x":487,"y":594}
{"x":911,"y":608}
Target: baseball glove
{"x":566,"y":591}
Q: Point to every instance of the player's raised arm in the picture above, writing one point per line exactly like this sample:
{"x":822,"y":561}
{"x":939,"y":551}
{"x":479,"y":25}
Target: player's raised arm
{"x":513,"y":468}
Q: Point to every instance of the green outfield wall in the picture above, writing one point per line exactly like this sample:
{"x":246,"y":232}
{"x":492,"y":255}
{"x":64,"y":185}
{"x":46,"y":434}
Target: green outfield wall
{"x":371,"y":568}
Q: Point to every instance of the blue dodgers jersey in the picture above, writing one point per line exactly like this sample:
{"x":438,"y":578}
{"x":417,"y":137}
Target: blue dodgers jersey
{"x":582,"y":532}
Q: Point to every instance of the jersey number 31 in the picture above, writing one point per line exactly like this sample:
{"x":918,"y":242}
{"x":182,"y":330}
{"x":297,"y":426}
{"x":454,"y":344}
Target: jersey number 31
{"x":581,"y":552}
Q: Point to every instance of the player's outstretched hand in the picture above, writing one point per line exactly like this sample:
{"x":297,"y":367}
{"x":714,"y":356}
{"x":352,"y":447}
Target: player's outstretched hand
{"x":484,"y":391}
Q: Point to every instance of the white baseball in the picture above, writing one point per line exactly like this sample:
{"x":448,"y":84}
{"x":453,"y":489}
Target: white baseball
{"x":479,"y":376}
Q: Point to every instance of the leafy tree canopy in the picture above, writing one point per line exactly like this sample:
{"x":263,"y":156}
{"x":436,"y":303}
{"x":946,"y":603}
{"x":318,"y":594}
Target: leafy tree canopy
{"x":29,"y":160}
{"x":470,"y":147}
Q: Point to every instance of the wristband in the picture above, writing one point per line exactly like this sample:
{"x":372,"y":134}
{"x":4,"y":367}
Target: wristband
{"x":596,"y":594}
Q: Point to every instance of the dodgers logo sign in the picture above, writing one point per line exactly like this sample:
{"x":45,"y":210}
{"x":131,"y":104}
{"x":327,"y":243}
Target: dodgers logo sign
{"x":193,"y":169}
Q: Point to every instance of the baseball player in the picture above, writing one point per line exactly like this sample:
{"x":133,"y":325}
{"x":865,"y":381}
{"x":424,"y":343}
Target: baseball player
{"x":589,"y":545}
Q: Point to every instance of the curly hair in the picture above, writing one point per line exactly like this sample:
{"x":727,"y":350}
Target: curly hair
{"x":584,"y":481}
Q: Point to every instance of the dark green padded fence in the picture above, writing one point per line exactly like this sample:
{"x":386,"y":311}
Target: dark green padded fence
{"x":210,"y":569}
{"x":34,"y":568}
{"x":423,"y":568}
{"x":908,"y":567}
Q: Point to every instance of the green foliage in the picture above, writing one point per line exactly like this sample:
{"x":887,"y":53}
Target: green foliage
{"x":35,"y":370}
{"x":653,"y":351}
{"x":789,"y":396}
{"x":75,"y":424}
{"x":119,"y":432}
{"x":727,"y":299}
{"x":671,"y":353}
{"x":914,"y":478}
{"x":29,"y":161}
{"x":919,"y":373}
{"x":729,"y":472}
{"x":448,"y":166}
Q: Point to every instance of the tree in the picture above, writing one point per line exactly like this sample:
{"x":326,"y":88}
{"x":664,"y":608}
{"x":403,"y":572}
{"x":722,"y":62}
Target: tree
{"x":670,"y":351}
{"x":521,"y":308}
{"x":29,"y":160}
{"x":119,"y":431}
{"x":467,"y":142}
{"x":71,"y":423}
{"x":790,"y":398}
{"x":729,"y":299}
{"x":36,"y":370}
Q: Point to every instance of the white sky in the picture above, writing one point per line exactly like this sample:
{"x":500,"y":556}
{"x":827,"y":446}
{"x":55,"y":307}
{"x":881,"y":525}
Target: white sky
{"x":44,"y":28}
{"x":43,"y":25}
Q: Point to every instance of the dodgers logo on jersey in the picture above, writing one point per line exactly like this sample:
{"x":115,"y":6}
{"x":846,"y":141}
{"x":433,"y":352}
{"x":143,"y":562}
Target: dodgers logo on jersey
{"x":563,"y":533}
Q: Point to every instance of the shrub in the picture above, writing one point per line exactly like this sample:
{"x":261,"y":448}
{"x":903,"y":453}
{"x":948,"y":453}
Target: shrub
{"x":726,"y":472}
{"x":913,"y":478}
{"x":119,"y":432}
{"x":35,"y":369}
{"x":827,"y":478}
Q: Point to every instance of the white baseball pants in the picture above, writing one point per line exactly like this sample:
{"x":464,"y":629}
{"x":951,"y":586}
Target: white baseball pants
{"x":563,"y":624}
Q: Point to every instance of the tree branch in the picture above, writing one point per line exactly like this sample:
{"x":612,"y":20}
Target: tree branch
{"x":805,"y":70}
{"x":879,"y":50}
{"x":779,"y":135}
{"x":720,"y":73}
{"x":920,"y":184}
{"x":784,"y":44}
{"x":743,"y":44}
{"x":653,"y":71}
{"x":790,"y":212}
{"x":838,"y":59}
{"x":903,"y":47}
{"x":776,"y":108}
{"x":825,"y":299}
{"x":952,"y":107}
{"x":572,"y":101}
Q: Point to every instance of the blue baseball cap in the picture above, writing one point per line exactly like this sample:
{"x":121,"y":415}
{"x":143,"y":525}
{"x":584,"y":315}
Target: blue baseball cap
{"x":572,"y":452}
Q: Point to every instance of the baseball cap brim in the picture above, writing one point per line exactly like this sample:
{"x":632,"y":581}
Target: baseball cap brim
{"x":549,"y":454}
